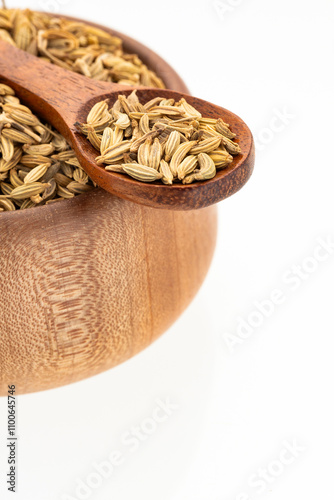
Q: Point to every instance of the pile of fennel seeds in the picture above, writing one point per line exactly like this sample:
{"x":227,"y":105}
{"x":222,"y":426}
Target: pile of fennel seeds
{"x":75,"y":46}
{"x":159,"y":140}
{"x":37,"y":166}
{"x":25,"y":143}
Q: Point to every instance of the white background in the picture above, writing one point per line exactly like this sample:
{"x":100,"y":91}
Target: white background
{"x":237,"y":408}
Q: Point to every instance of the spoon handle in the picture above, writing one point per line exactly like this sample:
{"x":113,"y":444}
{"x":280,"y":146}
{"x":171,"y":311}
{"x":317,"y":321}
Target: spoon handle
{"x":46,"y":88}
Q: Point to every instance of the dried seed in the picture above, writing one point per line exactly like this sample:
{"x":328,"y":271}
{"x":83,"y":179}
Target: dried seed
{"x":36,"y":199}
{"x":221,"y":158}
{"x":6,"y":188}
{"x":144,"y":124}
{"x":179,"y":155}
{"x":97,"y":112}
{"x":34,"y":160}
{"x":27,"y":204}
{"x":208,"y":121}
{"x":59,"y":143}
{"x":133,"y":98}
{"x":128,"y":131}
{"x":39,"y":149}
{"x":7,"y":122}
{"x":152,"y":103}
{"x":5,"y":90}
{"x":125,"y":105}
{"x":151,"y":135}
{"x":141,"y":172}
{"x":115,"y":168}
{"x":185,"y":130}
{"x":7,"y":205}
{"x":206,"y":146}
{"x":22,"y":174}
{"x":62,"y":180}
{"x":223,"y":129}
{"x":66,"y":169}
{"x":36,"y":173}
{"x":189,"y":110}
{"x":51,"y":172}
{"x":7,"y":147}
{"x":78,"y":187}
{"x":74,"y":162}
{"x":23,"y":117}
{"x":137,"y":115}
{"x":93,"y":137}
{"x":107,"y":140}
{"x":14,"y":178}
{"x":114,"y":153}
{"x":50,"y":191}
{"x":64,"y":155}
{"x":167,"y":102}
{"x":167,"y":110}
{"x":16,"y":136}
{"x":27,"y":190}
{"x":172,"y":144}
{"x":144,"y":152}
{"x":46,"y":134}
{"x":232,"y":147}
{"x":189,"y":179}
{"x":167,"y":176}
{"x":187,"y":166}
{"x":5,"y":36}
{"x":5,"y":166}
{"x":63,"y":192}
{"x":80,"y":175}
{"x":11,"y":99}
{"x":136,"y":132}
{"x":54,"y":200}
{"x":118,"y":135}
{"x":123,"y":121}
{"x":207,"y":167}
{"x":155,"y":155}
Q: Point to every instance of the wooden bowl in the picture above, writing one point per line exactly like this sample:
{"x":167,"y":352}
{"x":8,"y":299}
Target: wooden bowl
{"x":89,"y":282}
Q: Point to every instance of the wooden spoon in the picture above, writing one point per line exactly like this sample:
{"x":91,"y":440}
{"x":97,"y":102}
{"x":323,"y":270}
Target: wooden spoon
{"x":62,"y":98}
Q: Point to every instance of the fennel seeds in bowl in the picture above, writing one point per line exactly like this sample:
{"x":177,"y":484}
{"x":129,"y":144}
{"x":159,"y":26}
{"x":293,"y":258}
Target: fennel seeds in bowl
{"x":75,"y":46}
{"x":37,"y":166}
{"x":160,"y":140}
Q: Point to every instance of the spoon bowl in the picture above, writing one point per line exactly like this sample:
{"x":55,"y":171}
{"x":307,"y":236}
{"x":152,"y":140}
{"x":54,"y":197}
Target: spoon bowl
{"x":63,"y":98}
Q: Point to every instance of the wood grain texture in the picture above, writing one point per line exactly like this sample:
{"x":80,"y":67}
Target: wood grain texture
{"x":89,"y":282}
{"x":64,"y":98}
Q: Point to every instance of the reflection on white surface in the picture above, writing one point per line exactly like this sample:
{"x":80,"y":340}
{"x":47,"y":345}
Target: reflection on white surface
{"x":142,"y":420}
